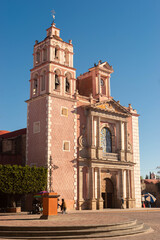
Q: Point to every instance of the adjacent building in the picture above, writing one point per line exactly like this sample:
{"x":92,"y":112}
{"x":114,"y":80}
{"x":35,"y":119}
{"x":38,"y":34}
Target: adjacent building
{"x":13,"y":147}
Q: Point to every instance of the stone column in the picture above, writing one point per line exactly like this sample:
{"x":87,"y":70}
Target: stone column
{"x":92,"y":148}
{"x":122,"y":187}
{"x":81,"y":200}
{"x":128,"y":188}
{"x":71,"y":87}
{"x":92,"y":132}
{"x":50,"y":75}
{"x":109,"y":89}
{"x":50,"y":54}
{"x":99,"y":197}
{"x":128,"y":183}
{"x":92,"y":201}
{"x":126,"y":136}
{"x":99,"y":84}
{"x":122,"y":155}
{"x":38,"y":86}
{"x":99,"y":148}
{"x":132,"y":192}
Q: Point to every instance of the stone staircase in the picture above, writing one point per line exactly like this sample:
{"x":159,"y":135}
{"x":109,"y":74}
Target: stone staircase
{"x":74,"y":232}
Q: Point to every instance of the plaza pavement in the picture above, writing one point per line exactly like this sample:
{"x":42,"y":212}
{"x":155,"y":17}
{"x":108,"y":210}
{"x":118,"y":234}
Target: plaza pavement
{"x":148,"y":216}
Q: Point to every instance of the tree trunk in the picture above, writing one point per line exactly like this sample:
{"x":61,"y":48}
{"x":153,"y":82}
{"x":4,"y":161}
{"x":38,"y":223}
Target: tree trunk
{"x":12,"y":201}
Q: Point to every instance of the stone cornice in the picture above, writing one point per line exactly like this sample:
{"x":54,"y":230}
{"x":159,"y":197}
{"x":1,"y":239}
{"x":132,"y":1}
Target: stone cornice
{"x":106,"y":164}
{"x":104,"y":111}
{"x":109,"y":115}
{"x":51,"y":62}
{"x":63,"y":97}
{"x":51,"y":38}
{"x":111,"y":164}
{"x":37,"y":98}
{"x":51,"y":95}
{"x":135,"y":114}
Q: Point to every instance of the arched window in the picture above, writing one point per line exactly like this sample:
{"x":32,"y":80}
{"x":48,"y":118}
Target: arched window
{"x":45,"y":54}
{"x":106,"y":140}
{"x":43,"y":81}
{"x":57,"y":80}
{"x":35,"y":85}
{"x":57,"y":52}
{"x":38,"y":56}
{"x":67,"y":82}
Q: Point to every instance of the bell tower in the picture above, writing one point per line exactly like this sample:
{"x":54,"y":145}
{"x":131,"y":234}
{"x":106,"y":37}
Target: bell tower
{"x":51,"y":118}
{"x":53,"y":70}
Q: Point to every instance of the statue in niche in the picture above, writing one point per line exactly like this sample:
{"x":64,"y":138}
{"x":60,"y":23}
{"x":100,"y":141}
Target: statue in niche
{"x":83,"y":142}
{"x":129,"y":145}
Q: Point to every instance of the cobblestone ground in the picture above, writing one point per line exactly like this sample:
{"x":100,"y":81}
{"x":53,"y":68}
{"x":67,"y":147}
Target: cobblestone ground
{"x":150,"y":217}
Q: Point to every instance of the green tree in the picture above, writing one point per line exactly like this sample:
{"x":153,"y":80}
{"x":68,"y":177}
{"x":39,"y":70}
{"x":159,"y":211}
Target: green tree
{"x":146,"y":177}
{"x":17,"y":180}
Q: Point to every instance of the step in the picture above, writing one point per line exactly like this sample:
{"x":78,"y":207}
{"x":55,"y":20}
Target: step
{"x":86,"y":232}
{"x":146,"y":229}
{"x":64,"y":231}
{"x":66,"y":228}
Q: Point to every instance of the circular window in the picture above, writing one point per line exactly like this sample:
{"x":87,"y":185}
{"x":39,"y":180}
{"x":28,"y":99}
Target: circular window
{"x":102,"y":82}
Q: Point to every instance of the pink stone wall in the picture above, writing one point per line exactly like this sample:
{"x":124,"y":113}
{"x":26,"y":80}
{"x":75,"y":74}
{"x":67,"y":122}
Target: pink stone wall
{"x":82,"y":119}
{"x":37,"y":141}
{"x":62,"y":129}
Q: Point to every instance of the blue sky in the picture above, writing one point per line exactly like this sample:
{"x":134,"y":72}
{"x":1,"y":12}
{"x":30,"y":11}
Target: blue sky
{"x":124,"y":33}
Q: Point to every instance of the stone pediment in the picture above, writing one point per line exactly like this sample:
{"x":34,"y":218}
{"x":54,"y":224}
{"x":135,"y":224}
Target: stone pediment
{"x":110,"y":106}
{"x":106,"y":66}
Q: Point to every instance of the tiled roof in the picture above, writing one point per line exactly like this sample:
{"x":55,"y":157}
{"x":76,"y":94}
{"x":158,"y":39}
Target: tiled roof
{"x":3,"y":132}
{"x":154,"y":181}
{"x":8,"y":134}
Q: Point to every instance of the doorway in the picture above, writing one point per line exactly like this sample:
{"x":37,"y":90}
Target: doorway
{"x":108,"y":195}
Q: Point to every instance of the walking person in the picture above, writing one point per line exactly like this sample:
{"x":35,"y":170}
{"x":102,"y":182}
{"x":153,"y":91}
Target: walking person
{"x":63,"y":206}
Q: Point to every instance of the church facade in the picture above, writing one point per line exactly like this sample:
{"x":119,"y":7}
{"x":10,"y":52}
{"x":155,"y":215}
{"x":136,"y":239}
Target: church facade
{"x":92,"y":139}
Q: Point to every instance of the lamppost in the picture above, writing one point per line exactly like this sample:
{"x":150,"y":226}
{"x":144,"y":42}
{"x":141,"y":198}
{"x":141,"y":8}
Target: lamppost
{"x":50,"y":198}
{"x":51,"y":167}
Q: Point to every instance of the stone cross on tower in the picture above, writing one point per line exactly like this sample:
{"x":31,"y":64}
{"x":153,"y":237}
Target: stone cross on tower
{"x":53,"y":15}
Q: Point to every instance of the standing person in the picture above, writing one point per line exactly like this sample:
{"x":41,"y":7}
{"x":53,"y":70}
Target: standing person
{"x":143,"y":202}
{"x":122,"y":203}
{"x":63,"y":206}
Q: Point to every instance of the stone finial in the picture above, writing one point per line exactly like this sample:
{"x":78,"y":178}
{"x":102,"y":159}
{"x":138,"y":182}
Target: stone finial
{"x":118,"y":102}
{"x":76,"y":94}
{"x":36,"y":42}
{"x":70,"y":41}
{"x":129,"y":106}
{"x":91,"y":98}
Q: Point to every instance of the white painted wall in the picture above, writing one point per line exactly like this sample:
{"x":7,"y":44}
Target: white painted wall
{"x":136,"y":159}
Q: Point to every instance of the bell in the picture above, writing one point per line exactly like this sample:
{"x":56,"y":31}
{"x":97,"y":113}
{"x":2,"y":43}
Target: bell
{"x":57,"y":81}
